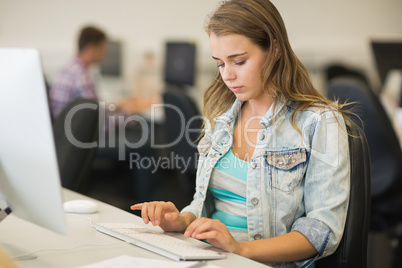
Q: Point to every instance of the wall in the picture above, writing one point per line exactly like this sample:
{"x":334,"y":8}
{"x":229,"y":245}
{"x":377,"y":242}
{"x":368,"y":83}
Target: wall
{"x":323,"y":31}
{"x":320,"y":30}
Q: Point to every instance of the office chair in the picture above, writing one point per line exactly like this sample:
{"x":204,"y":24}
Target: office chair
{"x":183,"y":126}
{"x":338,"y":70}
{"x":75,"y":161}
{"x":352,"y":250}
{"x":385,"y":154}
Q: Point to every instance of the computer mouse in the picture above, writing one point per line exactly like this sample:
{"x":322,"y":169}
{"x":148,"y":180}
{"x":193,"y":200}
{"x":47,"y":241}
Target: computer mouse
{"x":80,"y":206}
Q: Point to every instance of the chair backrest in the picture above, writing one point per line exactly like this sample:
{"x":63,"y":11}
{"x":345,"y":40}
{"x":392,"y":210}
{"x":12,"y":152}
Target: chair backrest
{"x":352,"y":250}
{"x":341,"y":70}
{"x":77,"y":123}
{"x":183,"y":126}
{"x":385,"y":151}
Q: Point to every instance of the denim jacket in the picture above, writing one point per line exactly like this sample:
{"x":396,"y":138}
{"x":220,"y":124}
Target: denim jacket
{"x":294,"y":183}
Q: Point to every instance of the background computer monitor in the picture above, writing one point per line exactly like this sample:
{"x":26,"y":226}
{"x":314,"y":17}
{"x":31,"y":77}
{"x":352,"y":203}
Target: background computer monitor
{"x":179,"y":63}
{"x":388,"y":56}
{"x":29,"y":175}
{"x":111,"y":65}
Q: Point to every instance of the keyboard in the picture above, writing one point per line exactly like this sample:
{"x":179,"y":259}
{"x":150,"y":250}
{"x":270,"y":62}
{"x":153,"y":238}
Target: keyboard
{"x":158,"y":242}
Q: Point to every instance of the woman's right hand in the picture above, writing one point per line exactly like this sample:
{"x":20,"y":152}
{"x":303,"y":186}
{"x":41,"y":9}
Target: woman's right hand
{"x":164,"y":214}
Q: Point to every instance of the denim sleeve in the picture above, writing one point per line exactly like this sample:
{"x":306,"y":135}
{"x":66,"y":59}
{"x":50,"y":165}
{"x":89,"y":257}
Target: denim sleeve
{"x":316,"y":233}
{"x":192,"y":207}
{"x":326,"y":185}
{"x":196,"y":206}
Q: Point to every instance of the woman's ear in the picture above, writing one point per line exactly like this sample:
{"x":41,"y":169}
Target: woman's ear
{"x":277,"y":50}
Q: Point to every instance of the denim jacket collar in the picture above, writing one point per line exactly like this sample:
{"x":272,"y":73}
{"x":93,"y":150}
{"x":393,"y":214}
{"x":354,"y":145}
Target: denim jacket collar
{"x":229,"y":116}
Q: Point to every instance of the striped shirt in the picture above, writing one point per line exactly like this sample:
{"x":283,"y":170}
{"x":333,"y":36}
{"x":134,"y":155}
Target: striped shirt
{"x":228,"y":187}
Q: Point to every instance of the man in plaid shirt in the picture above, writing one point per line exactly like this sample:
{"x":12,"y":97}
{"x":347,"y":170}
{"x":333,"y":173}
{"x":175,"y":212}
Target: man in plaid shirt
{"x":74,"y":81}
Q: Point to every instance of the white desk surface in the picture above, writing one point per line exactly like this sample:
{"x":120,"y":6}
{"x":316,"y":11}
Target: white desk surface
{"x":83,"y":244}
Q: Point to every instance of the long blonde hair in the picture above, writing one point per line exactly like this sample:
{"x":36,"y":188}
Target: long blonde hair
{"x":284,"y":75}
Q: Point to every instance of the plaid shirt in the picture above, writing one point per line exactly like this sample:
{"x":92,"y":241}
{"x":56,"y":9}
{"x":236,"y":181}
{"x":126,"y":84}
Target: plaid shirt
{"x":73,"y":82}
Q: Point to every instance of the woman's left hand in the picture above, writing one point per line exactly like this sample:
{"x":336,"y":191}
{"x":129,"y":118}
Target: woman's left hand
{"x":215,"y":232}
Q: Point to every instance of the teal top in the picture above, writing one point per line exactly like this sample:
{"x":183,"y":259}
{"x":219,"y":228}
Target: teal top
{"x":228,"y":186}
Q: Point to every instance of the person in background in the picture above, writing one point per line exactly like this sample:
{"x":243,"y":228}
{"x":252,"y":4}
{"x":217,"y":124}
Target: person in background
{"x":120,"y":139}
{"x":74,"y":80}
{"x":273,"y":174}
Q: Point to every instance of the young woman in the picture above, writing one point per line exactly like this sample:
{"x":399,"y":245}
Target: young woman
{"x":273,"y":175}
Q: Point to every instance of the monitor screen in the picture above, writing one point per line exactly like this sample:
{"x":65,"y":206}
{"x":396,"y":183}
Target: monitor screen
{"x":180,"y":63}
{"x":29,"y":175}
{"x":388,"y":56}
{"x":111,"y":65}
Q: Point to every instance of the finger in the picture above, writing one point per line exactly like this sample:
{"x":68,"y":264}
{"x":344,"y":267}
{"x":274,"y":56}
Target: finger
{"x":137,"y":206}
{"x":151,"y":212}
{"x":191,"y":228}
{"x":205,"y":226}
{"x":172,"y":216}
{"x":209,"y":225}
{"x":216,"y":239}
{"x":223,"y":240}
{"x":159,"y":208}
{"x":144,"y":213}
{"x":209,"y":235}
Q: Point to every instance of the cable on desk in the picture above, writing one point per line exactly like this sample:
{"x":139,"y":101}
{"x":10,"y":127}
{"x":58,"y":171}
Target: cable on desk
{"x":83,"y":217}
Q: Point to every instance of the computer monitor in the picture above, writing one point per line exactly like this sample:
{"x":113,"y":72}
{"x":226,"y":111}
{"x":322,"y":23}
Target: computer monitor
{"x":111,"y":65}
{"x":180,"y":63}
{"x":388,"y":56}
{"x":29,"y":174}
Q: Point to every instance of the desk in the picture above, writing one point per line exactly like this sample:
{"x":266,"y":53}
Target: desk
{"x":84,"y":245}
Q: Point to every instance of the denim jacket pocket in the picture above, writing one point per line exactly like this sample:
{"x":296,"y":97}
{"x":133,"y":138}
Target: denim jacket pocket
{"x":286,"y":168}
